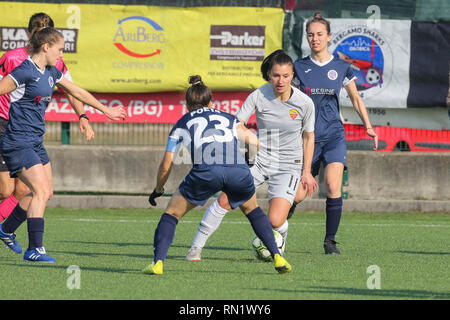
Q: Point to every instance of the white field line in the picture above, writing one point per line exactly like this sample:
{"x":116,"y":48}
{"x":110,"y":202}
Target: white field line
{"x":246,"y":222}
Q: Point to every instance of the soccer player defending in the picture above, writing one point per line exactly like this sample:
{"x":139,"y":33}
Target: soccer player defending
{"x":211,"y":136}
{"x":285,"y":121}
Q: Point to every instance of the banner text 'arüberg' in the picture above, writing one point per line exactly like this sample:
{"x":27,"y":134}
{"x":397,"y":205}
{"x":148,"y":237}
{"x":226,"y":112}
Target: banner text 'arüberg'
{"x":115,"y":48}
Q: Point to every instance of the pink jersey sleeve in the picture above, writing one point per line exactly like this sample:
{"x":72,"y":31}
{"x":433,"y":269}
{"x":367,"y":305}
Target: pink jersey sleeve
{"x":8,"y":62}
{"x":61,"y":66}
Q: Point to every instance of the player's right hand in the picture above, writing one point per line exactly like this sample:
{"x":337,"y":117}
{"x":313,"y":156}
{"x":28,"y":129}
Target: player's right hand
{"x":153,"y":196}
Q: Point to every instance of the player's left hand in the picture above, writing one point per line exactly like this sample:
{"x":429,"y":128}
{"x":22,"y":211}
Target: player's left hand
{"x":153,"y":196}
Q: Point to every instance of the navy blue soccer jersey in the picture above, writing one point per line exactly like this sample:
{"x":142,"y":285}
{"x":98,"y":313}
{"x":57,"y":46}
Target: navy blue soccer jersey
{"x":323,"y":83}
{"x":210,"y":136}
{"x":29,"y":101}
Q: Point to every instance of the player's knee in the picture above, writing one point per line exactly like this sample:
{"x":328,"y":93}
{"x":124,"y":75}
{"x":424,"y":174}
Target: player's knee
{"x":42,"y":194}
{"x":5,"y":193}
{"x":6,"y":189}
{"x":276,"y":221}
{"x":333,"y":189}
{"x":20,"y":191}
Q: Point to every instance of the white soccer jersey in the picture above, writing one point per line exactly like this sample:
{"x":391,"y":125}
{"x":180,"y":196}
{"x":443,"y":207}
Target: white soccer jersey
{"x":280,"y":126}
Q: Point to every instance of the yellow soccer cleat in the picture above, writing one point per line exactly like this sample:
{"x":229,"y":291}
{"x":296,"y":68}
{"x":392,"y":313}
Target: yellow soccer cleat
{"x":154,"y":268}
{"x":281,"y":265}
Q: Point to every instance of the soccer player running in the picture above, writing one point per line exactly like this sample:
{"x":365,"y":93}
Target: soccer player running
{"x":211,"y":136}
{"x":31,"y":85}
{"x":321,"y":76}
{"x":285,"y":121}
{"x":12,"y":189}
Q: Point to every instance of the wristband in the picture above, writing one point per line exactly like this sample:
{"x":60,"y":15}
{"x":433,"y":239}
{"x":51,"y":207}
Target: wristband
{"x":83,"y":116}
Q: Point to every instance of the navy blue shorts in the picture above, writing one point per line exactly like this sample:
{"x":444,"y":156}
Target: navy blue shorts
{"x":203,"y":182}
{"x":326,"y":152}
{"x":18,"y":158}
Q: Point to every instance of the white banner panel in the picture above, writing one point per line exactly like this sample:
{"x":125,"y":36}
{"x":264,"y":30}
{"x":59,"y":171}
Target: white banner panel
{"x":379,"y":56}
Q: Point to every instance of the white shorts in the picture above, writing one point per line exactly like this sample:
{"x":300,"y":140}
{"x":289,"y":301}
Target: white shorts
{"x":282,"y":183}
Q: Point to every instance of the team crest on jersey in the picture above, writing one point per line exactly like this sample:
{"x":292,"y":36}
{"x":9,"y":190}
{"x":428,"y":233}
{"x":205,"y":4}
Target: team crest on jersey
{"x":332,"y":74}
{"x":50,"y":81}
{"x":294,"y":114}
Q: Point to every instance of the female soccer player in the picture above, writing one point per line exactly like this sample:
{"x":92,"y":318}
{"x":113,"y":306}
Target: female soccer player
{"x":212,"y":139}
{"x":285,"y":121}
{"x":12,"y":190}
{"x":321,"y":76}
{"x":32,"y":84}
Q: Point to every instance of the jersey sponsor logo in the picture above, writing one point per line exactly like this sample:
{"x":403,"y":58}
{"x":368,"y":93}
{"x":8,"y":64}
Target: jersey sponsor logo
{"x":17,"y":37}
{"x":367,"y":52}
{"x":332,"y":74}
{"x":294,"y":114}
{"x":136,"y":34}
{"x":237,"y":42}
{"x":309,"y":91}
{"x":38,"y":99}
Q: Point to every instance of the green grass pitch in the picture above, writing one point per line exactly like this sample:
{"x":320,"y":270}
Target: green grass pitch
{"x":111,"y":247}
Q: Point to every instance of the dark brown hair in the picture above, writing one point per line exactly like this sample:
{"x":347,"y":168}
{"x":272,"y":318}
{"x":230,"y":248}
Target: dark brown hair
{"x":279,"y":57}
{"x":39,"y":20}
{"x":43,"y":35}
{"x":318,"y":18}
{"x":197,"y":95}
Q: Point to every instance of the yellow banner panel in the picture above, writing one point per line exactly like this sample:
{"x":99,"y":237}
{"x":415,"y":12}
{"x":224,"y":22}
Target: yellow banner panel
{"x":116,"y":48}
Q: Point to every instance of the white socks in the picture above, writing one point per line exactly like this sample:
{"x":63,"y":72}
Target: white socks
{"x":283,"y":230}
{"x":210,"y":222}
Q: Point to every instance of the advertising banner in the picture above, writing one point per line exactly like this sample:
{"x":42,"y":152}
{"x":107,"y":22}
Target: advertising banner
{"x":135,"y":48}
{"x":167,"y":107}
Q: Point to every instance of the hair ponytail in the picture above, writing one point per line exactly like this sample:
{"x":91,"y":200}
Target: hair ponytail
{"x":318,"y":18}
{"x":43,"y":35}
{"x":198,"y":95}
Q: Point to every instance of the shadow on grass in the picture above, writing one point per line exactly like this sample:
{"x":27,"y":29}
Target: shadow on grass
{"x":147,"y":244}
{"x":425,"y":252}
{"x":64,"y":267}
{"x":376,"y":293}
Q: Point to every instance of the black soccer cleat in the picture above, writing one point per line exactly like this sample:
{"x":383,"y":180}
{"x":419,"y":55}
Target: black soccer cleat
{"x":291,"y":210}
{"x":330,"y":247}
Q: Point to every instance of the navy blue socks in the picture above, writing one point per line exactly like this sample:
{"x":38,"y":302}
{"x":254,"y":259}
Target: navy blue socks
{"x":334,"y":212}
{"x":15,"y":219}
{"x":35,"y":232}
{"x":263,"y":229}
{"x":164,"y":235}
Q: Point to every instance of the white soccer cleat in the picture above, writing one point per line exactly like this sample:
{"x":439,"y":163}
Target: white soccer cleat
{"x":194,"y":254}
